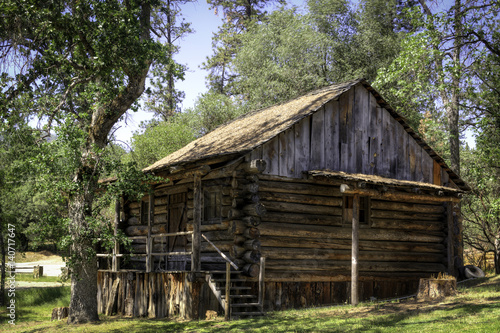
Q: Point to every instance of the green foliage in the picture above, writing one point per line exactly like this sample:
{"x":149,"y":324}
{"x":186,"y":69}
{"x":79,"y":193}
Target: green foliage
{"x":156,"y":139}
{"x":407,"y":83}
{"x":238,"y":16}
{"x":481,"y":208}
{"x":210,"y":111}
{"x":162,"y":98}
{"x":289,"y":54}
{"x":281,"y":58}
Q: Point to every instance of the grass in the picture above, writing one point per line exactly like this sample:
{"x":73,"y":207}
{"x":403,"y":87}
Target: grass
{"x":475,"y":309}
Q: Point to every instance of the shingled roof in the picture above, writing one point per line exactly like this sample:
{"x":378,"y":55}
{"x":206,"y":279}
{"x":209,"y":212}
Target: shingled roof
{"x":253,"y":129}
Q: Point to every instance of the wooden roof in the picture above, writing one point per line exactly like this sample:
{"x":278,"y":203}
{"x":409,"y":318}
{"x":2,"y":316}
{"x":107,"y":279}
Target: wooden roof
{"x":253,"y":129}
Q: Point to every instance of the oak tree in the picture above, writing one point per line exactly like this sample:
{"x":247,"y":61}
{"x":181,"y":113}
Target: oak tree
{"x":78,"y":65}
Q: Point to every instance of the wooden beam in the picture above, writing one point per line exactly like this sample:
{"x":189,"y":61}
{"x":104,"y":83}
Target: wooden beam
{"x":227,"y":308}
{"x":397,"y":196}
{"x":450,"y":253}
{"x":149,"y":244}
{"x":355,"y":251}
{"x":115,"y":265}
{"x":198,"y":204}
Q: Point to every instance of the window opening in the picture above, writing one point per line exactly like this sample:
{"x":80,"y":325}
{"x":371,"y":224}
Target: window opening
{"x":212,"y":197}
{"x":364,"y":207}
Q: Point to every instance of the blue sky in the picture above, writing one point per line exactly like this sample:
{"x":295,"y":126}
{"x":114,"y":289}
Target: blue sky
{"x":194,"y":49}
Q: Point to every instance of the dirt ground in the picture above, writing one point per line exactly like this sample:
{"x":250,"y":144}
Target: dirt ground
{"x":52,"y":264}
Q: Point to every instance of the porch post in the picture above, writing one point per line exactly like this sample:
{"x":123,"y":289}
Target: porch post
{"x":355,"y":251}
{"x":196,"y":244}
{"x":115,"y":264}
{"x":149,"y":240}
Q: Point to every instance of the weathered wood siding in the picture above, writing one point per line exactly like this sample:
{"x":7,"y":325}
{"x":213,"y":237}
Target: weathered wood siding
{"x":352,"y":134}
{"x":288,"y":295}
{"x":304,"y":238}
{"x":154,"y":295}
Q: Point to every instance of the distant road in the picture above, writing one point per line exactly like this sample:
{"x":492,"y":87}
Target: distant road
{"x":50,"y":268}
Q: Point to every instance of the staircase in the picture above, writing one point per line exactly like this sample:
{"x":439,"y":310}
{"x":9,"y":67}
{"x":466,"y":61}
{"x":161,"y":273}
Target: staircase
{"x":243,"y":301}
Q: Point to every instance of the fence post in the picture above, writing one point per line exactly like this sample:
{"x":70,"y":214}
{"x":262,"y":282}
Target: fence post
{"x":227,"y":310}
{"x":261,"y":281}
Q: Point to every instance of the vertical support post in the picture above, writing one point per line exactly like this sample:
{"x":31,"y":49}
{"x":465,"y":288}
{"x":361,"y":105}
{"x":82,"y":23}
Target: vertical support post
{"x":149,"y":240}
{"x":261,"y":282}
{"x":451,"y":238}
{"x":227,"y":308}
{"x":198,"y":204}
{"x":115,"y":265}
{"x":355,"y":251}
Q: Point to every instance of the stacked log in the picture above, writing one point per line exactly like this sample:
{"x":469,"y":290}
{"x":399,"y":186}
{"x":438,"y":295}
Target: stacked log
{"x":246,"y":216}
{"x":304,"y":231}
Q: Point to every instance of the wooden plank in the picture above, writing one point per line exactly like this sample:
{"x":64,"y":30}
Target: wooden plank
{"x":407,"y":207}
{"x":332,"y":153}
{"x":345,"y":113}
{"x":196,"y":244}
{"x":412,"y":159}
{"x":270,"y":154}
{"x":351,"y":127}
{"x":149,"y":247}
{"x":302,"y":146}
{"x":288,"y":207}
{"x":387,"y":153}
{"x":427,"y":167}
{"x":312,"y":231}
{"x":256,"y":154}
{"x":115,"y":266}
{"x":289,"y":187}
{"x":317,"y":151}
{"x":374,"y":136}
{"x":450,"y":240}
{"x":436,"y":176}
{"x":301,"y":198}
{"x":281,"y":253}
{"x":419,"y":176}
{"x":355,"y":251}
{"x":332,"y":244}
{"x":287,"y":153}
{"x":400,"y":135}
{"x":334,"y":266}
{"x":227,"y":304}
{"x":362,"y":119}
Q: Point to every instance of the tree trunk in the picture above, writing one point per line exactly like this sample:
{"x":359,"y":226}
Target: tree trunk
{"x":83,"y":305}
{"x":453,"y":109}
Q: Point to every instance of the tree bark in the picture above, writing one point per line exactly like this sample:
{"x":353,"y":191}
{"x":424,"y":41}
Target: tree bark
{"x":451,"y":103}
{"x":83,"y":304}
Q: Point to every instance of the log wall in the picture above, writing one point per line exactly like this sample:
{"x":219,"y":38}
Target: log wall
{"x":304,"y":238}
{"x":288,"y":295}
{"x":353,"y":134}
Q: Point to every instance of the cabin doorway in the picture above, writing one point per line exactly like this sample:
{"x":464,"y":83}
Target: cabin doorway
{"x":176,"y":208}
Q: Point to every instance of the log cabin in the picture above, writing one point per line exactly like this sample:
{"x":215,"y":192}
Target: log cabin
{"x":328,"y":198}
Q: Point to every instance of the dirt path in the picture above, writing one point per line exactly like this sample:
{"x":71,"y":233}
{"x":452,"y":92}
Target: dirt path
{"x":51,"y":263}
{"x":30,"y":284}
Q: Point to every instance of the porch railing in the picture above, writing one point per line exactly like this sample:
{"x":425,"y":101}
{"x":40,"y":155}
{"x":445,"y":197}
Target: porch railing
{"x":115,"y":266}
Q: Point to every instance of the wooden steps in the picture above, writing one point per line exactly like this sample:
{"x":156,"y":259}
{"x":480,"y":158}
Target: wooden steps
{"x":243,"y":302}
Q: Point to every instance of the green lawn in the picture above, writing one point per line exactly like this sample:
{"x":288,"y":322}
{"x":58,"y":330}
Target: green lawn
{"x":475,"y":309}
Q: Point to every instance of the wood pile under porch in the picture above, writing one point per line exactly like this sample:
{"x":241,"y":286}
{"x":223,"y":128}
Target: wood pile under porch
{"x":155,"y":294}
